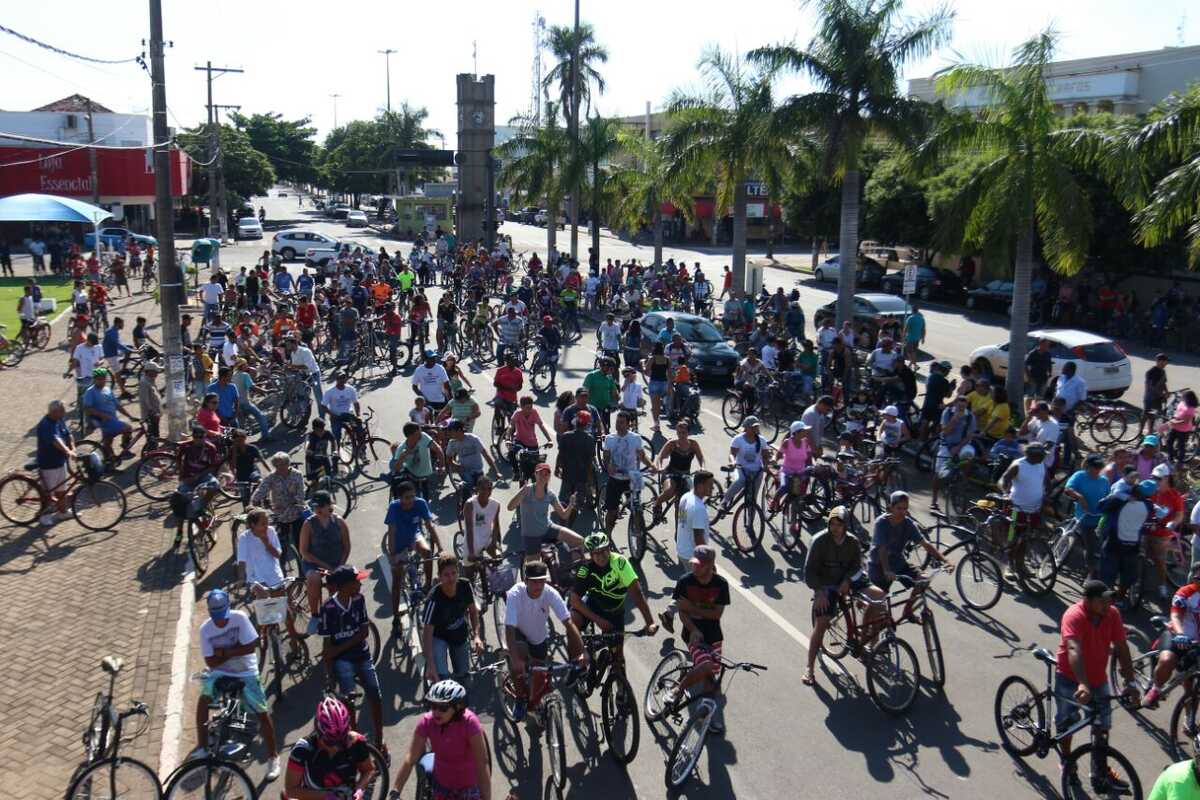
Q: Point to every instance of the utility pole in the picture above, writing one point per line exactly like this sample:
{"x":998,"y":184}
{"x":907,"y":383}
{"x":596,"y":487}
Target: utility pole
{"x":335,"y":97}
{"x":92,"y":157}
{"x":222,"y":194}
{"x":170,"y":276}
{"x":575,"y":136}
{"x":218,"y":227}
{"x":387,"y":61}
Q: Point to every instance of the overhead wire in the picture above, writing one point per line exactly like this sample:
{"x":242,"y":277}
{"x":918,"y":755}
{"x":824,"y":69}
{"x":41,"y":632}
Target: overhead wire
{"x":138,"y":59}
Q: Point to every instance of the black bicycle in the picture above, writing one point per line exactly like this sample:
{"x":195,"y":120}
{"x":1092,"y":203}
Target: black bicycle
{"x":618,"y":704}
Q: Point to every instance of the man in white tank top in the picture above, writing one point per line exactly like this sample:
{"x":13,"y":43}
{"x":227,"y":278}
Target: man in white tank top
{"x":1025,"y":483}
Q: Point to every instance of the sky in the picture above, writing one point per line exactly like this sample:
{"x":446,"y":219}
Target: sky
{"x":299,"y":53}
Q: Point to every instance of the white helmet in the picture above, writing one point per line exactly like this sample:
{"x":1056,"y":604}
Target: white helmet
{"x":446,"y":692}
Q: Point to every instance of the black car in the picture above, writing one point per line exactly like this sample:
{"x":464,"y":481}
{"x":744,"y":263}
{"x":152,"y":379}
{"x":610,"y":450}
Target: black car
{"x":712,"y":356}
{"x":871,"y":310}
{"x":931,"y":283}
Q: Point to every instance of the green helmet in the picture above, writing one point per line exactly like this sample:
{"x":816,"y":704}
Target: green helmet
{"x":595,"y":541}
{"x":100,"y":372}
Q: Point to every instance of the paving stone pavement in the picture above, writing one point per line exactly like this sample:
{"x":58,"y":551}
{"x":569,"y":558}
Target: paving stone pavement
{"x":73,"y":596}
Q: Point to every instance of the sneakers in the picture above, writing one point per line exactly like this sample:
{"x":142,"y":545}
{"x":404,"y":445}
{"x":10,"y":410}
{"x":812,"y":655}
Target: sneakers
{"x":311,"y":628}
{"x":200,"y":752}
{"x":274,"y":769}
{"x":667,"y":621}
{"x":47,"y":520}
{"x":1152,"y":697}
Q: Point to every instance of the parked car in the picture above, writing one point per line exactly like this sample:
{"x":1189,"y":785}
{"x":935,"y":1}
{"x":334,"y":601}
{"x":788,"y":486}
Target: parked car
{"x":249,"y":228}
{"x":872,"y":310}
{"x":340,"y":211}
{"x":527,"y":214}
{"x":543,"y":215}
{"x":713,"y":358}
{"x":113,"y":235}
{"x":869,"y":273}
{"x":290,"y":244}
{"x":1101,"y":362}
{"x":994,"y":294}
{"x":931,"y":283}
{"x":282,"y":194}
{"x":356,"y":219}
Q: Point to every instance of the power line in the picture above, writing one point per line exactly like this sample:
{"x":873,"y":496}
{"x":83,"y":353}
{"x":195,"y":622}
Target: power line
{"x":38,"y":140}
{"x":138,"y":59}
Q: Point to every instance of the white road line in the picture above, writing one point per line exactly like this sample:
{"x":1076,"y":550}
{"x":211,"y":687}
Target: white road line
{"x":168,"y":757}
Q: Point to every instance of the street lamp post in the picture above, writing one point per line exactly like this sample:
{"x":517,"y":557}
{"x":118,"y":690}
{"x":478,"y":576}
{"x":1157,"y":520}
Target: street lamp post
{"x":335,"y":97}
{"x":387,"y":66}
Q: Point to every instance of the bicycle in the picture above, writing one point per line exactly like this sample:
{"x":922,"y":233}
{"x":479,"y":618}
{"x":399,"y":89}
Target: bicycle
{"x":618,"y":705}
{"x":1035,"y":568}
{"x":748,"y":518}
{"x":268,"y":613}
{"x":96,"y":504}
{"x":633,"y":506}
{"x":1020,"y":715}
{"x":490,"y":578}
{"x":978,"y":576}
{"x":689,"y":743}
{"x":1144,"y":655}
{"x":548,"y":714}
{"x":229,"y":732}
{"x":12,"y":349}
{"x":105,"y":772}
{"x":380,"y":782}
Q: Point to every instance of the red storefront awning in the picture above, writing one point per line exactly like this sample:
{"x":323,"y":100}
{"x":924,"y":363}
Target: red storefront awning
{"x":121,"y":173}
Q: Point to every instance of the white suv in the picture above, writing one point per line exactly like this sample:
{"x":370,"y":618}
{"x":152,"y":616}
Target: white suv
{"x":291,"y":245}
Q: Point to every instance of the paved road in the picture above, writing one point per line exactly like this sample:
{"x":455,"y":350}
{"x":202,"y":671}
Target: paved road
{"x":831,"y":740}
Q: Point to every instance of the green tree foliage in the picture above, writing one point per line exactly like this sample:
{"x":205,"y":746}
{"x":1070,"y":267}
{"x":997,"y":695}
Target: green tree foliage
{"x":290,"y":145}
{"x":247,"y":171}
{"x":360,"y":156}
{"x":895,"y":209}
{"x":560,"y":40}
{"x":533,"y":164}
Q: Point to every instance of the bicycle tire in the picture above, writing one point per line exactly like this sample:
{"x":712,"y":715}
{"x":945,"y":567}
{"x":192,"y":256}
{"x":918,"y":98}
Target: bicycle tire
{"x":933,"y":649}
{"x":748,"y":524}
{"x":209,"y":777}
{"x":835,"y":643}
{"x":1107,"y":428}
{"x":1037,"y":570}
{"x":20,"y":499}
{"x":555,"y":741}
{"x":99,"y":506}
{"x":157,"y":475}
{"x":689,"y":744}
{"x":787,"y":525}
{"x":733,"y":411}
{"x":886,"y":659}
{"x":377,"y":788}
{"x":41,"y":335}
{"x":296,"y":409}
{"x":539,"y":377}
{"x":275,"y":657}
{"x":663,"y":680}
{"x":1012,"y":717}
{"x":619,"y":715}
{"x":980,"y":570}
{"x":499,"y":608}
{"x":1106,"y":755}
{"x":1184,"y":726}
{"x":105,"y":770}
{"x":198,"y":547}
{"x":1144,"y":655}
{"x":12,"y":350}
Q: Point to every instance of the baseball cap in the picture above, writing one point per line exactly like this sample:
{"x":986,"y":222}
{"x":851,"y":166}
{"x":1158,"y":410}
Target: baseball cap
{"x":430,"y":352}
{"x":1094,"y":588}
{"x":798,"y":425}
{"x":703,"y":554}
{"x":536,"y":571}
{"x":1162,"y":471}
{"x":837,"y":512}
{"x":345,"y":574}
{"x":1094,"y":460}
{"x":455,"y":425}
{"x":1150,"y":441}
{"x":891,"y":411}
{"x":218,"y":604}
{"x":750,"y":422}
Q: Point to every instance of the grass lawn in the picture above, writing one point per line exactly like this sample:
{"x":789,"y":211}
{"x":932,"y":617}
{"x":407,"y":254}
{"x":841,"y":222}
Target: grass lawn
{"x":11,"y":291}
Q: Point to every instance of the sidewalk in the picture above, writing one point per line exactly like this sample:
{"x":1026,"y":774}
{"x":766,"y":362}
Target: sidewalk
{"x":74,"y":596}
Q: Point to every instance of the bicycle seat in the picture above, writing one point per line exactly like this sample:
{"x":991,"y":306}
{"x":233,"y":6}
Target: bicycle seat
{"x":1042,"y":654}
{"x":1159,"y":621}
{"x":728,"y":468}
{"x":111,"y":664}
{"x":227,"y":684}
{"x":996,"y":498}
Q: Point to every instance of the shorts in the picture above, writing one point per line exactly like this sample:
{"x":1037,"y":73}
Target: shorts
{"x":1022,"y":521}
{"x":307,"y":567}
{"x":944,"y":457}
{"x":252,"y":692}
{"x":858,"y":583}
{"x":615,"y":618}
{"x":53,"y":478}
{"x":347,"y":670}
{"x":879,"y":579}
{"x":539,"y":651}
{"x":614,"y":492}
{"x":113,"y":427}
{"x":569,"y":487}
{"x":533,"y":544}
{"x":706,"y":655}
{"x":657,"y":388}
{"x":1067,"y":711}
{"x":208,"y":482}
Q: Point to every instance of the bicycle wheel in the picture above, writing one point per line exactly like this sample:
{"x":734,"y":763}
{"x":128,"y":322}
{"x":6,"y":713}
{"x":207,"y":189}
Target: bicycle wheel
{"x":158,"y":475}
{"x":115,"y":778}
{"x":1108,"y":427}
{"x":1184,"y":726}
{"x":979,"y":580}
{"x":933,"y":649}
{"x":688,"y":747}
{"x":662,"y":683}
{"x":205,"y":778}
{"x":297,"y":406}
{"x":377,"y":787}
{"x":893,"y":675}
{"x":925,"y":455}
{"x":539,"y":377}
{"x":20,"y":499}
{"x":1178,"y":557}
{"x":958,"y":499}
{"x":1109,"y":774}
{"x":11,"y":352}
{"x":835,"y":643}
{"x":748,"y":526}
{"x":555,"y":741}
{"x":619,"y":714}
{"x":733,"y":411}
{"x":198,"y":546}
{"x":788,"y":524}
{"x":1020,"y":716}
{"x":374,"y":641}
{"x":1142,"y":653}
{"x":98,"y":506}
{"x":499,"y":608}
{"x":1037,"y":571}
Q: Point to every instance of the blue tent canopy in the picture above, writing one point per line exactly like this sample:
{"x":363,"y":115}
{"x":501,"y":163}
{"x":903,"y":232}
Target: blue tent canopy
{"x":49,"y":208}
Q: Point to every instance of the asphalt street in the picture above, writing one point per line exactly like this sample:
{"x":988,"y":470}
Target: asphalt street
{"x":784,"y":739}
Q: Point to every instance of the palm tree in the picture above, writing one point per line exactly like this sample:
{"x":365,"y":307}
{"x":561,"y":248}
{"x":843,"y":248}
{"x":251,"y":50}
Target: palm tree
{"x":1025,"y":189}
{"x":599,"y":143}
{"x":533,"y":163}
{"x":565,"y":47}
{"x":642,"y":184}
{"x":728,"y":133}
{"x":855,"y":61}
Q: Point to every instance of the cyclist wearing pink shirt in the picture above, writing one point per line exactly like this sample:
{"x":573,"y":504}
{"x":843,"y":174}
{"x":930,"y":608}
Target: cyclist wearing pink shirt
{"x":525,"y":422}
{"x":795,"y":455}
{"x":457,"y":766}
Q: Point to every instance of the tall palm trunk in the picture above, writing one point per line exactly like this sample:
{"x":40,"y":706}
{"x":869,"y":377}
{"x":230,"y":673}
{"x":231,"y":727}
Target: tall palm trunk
{"x":1018,"y":345}
{"x":848,"y":250}
{"x":595,"y":217}
{"x":739,"y":235}
{"x":658,"y":231}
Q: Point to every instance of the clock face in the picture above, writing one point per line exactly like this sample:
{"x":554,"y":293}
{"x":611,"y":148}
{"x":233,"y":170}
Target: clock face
{"x":477,"y":118}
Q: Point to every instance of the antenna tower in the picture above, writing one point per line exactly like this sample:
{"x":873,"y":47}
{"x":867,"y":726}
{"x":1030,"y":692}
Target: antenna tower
{"x":535,"y":90}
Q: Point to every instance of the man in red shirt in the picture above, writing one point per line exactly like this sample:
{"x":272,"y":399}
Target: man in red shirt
{"x":1090,"y":629}
{"x":393,"y":326}
{"x":726,"y":284}
{"x":508,"y":381}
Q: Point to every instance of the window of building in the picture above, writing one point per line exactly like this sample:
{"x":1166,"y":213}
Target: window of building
{"x":1105,"y":106}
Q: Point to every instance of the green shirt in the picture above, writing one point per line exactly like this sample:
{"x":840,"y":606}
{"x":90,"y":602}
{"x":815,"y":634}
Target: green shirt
{"x":602,"y":390}
{"x":807,"y":362}
{"x":405,"y":279}
{"x":244,"y":384}
{"x":462,"y":409}
{"x":418,"y":461}
{"x":605,"y":587}
{"x":1177,"y":782}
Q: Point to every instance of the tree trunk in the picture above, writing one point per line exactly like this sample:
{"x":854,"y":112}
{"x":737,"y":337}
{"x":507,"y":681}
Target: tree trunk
{"x":816,"y":253}
{"x":595,"y":216}
{"x":658,"y":232}
{"x":739,"y":235}
{"x":848,"y":249}
{"x":1018,"y":345}
{"x":770,"y":234}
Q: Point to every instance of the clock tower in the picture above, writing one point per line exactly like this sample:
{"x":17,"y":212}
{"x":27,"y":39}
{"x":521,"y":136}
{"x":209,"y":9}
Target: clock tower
{"x":476,"y":136}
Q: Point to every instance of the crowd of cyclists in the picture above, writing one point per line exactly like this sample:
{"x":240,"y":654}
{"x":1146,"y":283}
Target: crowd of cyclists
{"x":850,"y":403}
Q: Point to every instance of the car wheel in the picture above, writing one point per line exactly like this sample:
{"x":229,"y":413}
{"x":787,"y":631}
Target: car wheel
{"x":287,"y":253}
{"x":819,"y":275}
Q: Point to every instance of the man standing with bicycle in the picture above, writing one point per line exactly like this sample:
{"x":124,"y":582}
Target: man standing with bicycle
{"x":623,"y":459}
{"x":1090,"y":629}
{"x":702,"y":597}
{"x":54,"y":447}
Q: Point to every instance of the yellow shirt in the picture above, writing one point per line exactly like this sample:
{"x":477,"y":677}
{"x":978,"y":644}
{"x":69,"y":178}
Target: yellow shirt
{"x":1001,"y":419}
{"x":981,"y":405}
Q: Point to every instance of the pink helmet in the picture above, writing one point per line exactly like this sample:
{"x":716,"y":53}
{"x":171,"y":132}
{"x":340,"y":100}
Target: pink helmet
{"x":333,"y":720}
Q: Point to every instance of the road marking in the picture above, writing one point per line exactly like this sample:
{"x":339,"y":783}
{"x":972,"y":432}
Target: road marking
{"x":773,"y":615}
{"x":168,"y":757}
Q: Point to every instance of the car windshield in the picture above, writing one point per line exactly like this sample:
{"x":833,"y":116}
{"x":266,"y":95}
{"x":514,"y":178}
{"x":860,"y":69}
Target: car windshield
{"x":1102,"y":352}
{"x":698,"y":330}
{"x":890,"y":305}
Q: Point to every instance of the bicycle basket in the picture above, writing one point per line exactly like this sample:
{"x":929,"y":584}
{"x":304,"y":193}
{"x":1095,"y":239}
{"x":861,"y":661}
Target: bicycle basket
{"x":270,"y":610}
{"x":501,"y":579}
{"x":92,"y":467}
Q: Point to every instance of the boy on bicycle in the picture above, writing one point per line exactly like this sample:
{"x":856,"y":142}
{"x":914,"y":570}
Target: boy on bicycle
{"x":702,"y":597}
{"x":347,"y":657}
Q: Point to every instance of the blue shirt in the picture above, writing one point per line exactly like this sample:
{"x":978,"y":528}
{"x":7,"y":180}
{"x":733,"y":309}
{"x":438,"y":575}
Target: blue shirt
{"x":1093,"y":490}
{"x":407,"y":522}
{"x":102,"y":400}
{"x":916,"y":328}
{"x":49,"y":456}
{"x":111,"y":343}
{"x":1072,"y":389}
{"x":665,"y":335}
{"x":283,"y":281}
{"x":1007,"y":449}
{"x":304,"y":284}
{"x":227,"y":397}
